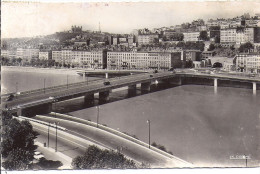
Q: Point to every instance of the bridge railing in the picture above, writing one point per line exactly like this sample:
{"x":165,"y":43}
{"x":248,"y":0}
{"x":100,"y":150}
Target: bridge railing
{"x":65,"y":86}
{"x":59,"y":86}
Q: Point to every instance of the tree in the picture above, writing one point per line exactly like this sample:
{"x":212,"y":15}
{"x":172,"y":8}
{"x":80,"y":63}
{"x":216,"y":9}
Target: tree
{"x":211,"y":47}
{"x":95,"y":158}
{"x":246,"y":47}
{"x":204,"y":35}
{"x":18,"y":143}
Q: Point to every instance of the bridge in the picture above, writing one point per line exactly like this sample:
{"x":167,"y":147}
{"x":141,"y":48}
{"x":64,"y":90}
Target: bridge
{"x":40,"y":101}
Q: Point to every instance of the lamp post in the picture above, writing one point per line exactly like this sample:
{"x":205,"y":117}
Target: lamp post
{"x":48,"y":134}
{"x":67,"y":81}
{"x":44,"y":85}
{"x":16,"y":87}
{"x":97,"y":114}
{"x":149,"y":122}
{"x":56,"y":142}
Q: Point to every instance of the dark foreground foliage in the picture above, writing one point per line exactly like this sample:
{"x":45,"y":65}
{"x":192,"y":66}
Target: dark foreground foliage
{"x":95,"y":158}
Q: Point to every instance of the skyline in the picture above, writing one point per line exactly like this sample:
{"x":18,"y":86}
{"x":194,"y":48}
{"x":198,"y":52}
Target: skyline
{"x":33,"y":19}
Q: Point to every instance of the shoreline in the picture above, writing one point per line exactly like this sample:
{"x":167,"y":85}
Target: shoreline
{"x":40,"y":70}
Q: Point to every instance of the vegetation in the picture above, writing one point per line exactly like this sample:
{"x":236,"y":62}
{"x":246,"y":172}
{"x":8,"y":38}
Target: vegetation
{"x":246,"y":47}
{"x":211,"y":47}
{"x":17,"y":143}
{"x":204,"y":36}
{"x":191,"y":45}
{"x":161,"y":147}
{"x":48,"y":164}
{"x":95,"y":158}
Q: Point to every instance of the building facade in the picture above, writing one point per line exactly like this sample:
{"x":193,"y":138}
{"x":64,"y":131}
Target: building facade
{"x":191,"y":36}
{"x":142,"y":60}
{"x":232,"y":36}
{"x":44,"y":55}
{"x":87,"y":59}
{"x":248,"y":62}
{"x":146,"y":39}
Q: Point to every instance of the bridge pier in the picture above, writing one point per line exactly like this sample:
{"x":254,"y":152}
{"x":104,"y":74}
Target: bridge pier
{"x":35,"y":110}
{"x":254,"y":87}
{"x":131,"y":90}
{"x":215,"y":82}
{"x":89,"y":98}
{"x":103,"y":96}
{"x":146,"y":86}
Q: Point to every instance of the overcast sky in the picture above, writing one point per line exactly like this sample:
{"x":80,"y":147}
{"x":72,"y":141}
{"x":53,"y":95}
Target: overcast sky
{"x":22,"y":19}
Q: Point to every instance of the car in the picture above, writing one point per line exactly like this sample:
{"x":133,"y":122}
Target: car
{"x":155,"y":71}
{"x":10,"y":97}
{"x":151,"y":75}
{"x":107,"y":83}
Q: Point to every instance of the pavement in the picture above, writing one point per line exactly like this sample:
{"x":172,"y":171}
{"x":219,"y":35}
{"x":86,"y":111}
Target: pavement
{"x":50,"y":154}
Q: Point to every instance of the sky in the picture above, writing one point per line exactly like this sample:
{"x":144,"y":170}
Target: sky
{"x":27,"y":19}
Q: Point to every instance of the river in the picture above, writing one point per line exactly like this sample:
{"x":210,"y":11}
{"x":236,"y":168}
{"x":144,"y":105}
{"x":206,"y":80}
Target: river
{"x":194,"y":122}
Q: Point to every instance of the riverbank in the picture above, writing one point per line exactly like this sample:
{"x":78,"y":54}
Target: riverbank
{"x":41,"y":70}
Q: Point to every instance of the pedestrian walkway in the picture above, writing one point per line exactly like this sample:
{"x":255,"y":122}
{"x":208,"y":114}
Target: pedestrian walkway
{"x":50,"y":154}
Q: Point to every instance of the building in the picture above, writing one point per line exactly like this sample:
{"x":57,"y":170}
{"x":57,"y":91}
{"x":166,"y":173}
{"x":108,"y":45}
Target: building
{"x":130,"y":40}
{"x":169,"y":33}
{"x":228,"y":36}
{"x":27,"y":54}
{"x":87,"y":59}
{"x":56,"y":55}
{"x":122,"y":39}
{"x":248,"y":62}
{"x":207,"y":54}
{"x":145,"y":39}
{"x":115,"y":40}
{"x":191,"y":36}
{"x":241,"y":35}
{"x":44,"y":55}
{"x":143,"y":60}
{"x":193,"y":55}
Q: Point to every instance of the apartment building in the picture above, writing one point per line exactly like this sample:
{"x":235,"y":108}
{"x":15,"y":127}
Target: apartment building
{"x":27,"y":54}
{"x":56,"y":55}
{"x":237,"y":35}
{"x":44,"y":55}
{"x":87,"y":59}
{"x":145,"y":39}
{"x":228,"y":36}
{"x":248,"y":62}
{"x":191,"y":36}
{"x":142,"y":60}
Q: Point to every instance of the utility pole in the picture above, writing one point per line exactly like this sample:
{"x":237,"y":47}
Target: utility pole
{"x":97,"y":114}
{"x":44,"y":85}
{"x":48,"y":134}
{"x":149,"y":122}
{"x":56,"y":142}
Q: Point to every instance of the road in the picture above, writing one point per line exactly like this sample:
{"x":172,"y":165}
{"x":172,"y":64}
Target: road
{"x":80,"y":88}
{"x":130,"y":149}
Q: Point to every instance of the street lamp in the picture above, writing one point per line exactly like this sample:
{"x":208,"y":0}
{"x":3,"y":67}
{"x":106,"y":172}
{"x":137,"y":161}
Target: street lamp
{"x":67,"y":81}
{"x":97,"y":114}
{"x":56,"y":142}
{"x":44,"y":85}
{"x":149,"y":122}
{"x":48,"y":134}
{"x":16,"y":87}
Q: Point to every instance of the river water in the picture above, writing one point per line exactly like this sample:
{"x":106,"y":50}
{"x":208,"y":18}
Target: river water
{"x":194,"y":122}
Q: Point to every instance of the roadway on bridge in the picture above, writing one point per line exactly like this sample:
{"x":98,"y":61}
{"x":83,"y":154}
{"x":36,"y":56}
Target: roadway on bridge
{"x":81,"y":88}
{"x":112,"y":141}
